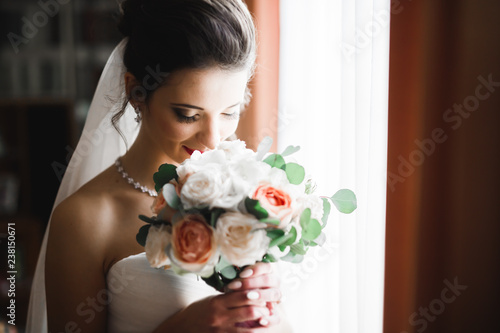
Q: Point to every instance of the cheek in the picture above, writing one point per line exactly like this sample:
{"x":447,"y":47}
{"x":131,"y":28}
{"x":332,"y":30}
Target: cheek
{"x":173,"y":130}
{"x":228,"y":128}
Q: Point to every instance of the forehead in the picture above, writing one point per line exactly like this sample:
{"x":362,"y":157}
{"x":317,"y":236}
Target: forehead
{"x":211,"y":88}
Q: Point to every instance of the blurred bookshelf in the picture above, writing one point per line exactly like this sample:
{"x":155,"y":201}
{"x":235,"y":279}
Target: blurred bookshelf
{"x":52,"y":53}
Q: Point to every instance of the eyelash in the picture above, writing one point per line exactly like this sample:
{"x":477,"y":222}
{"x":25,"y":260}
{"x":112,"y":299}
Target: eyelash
{"x":189,"y":120}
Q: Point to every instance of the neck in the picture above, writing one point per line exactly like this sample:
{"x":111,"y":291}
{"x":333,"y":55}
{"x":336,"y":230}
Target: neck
{"x":143,"y":159}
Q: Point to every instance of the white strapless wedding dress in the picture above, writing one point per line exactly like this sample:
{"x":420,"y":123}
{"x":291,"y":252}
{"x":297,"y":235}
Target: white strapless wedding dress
{"x":141,"y":297}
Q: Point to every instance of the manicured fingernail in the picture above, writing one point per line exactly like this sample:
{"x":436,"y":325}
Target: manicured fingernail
{"x":253,"y":295}
{"x":235,"y":285}
{"x":264,"y":322}
{"x":246,"y":273}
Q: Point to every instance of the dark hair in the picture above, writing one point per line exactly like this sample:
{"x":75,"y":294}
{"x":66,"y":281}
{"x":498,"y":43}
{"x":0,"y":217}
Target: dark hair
{"x":169,"y":35}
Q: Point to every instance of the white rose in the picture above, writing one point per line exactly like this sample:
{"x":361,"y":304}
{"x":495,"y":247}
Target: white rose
{"x":205,"y":187}
{"x":158,"y":239}
{"x":247,"y":174}
{"x":236,"y":150}
{"x":198,"y":161}
{"x":241,"y":238}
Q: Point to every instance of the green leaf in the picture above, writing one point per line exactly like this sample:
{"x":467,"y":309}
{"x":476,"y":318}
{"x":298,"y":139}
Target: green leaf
{"x":214,"y":216}
{"x":326,"y":211}
{"x":281,"y":240}
{"x":305,"y":217}
{"x":298,"y":249}
{"x":290,"y":150}
{"x":148,"y":219}
{"x":166,"y":172}
{"x":215,"y":281}
{"x":320,"y":240}
{"x":269,"y":258}
{"x":312,"y":230}
{"x":345,"y":201}
{"x":223,"y":263}
{"x":143,"y":234}
{"x":294,"y":172}
{"x":293,"y":257}
{"x":253,"y":207}
{"x":275,"y":160}
{"x":310,"y":186}
{"x":170,"y":195}
{"x":264,"y":147}
{"x":275,"y":233}
{"x":292,"y":239}
{"x":229,"y":272}
{"x":271,"y":220}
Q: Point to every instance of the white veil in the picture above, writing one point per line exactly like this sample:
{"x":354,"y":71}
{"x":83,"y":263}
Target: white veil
{"x":99,"y":145}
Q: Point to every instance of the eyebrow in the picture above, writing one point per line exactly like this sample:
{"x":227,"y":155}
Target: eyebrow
{"x":189,"y":106}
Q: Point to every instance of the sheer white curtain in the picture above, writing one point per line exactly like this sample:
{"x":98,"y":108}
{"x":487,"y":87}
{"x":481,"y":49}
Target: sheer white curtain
{"x":334,"y":62}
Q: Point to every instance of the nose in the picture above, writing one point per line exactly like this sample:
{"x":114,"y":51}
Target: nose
{"x":209,"y":133}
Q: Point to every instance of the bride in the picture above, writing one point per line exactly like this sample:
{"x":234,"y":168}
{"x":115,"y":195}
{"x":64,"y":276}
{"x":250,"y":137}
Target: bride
{"x":181,"y":73}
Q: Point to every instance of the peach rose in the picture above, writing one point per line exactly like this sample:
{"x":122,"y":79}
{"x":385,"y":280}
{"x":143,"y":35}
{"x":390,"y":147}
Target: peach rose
{"x":193,"y":246}
{"x":158,"y":204}
{"x":277,"y":202}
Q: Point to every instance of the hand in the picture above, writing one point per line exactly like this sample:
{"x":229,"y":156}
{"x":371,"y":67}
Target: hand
{"x":262,"y":283}
{"x":246,"y":307}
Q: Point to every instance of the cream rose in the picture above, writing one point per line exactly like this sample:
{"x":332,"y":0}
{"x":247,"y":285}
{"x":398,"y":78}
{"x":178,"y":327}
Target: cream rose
{"x":204,"y":187}
{"x":277,"y":202}
{"x":242,"y":239}
{"x":193,"y":247}
{"x":156,"y":244}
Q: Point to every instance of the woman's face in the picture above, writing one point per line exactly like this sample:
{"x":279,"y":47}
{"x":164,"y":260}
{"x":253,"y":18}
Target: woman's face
{"x":194,"y":110}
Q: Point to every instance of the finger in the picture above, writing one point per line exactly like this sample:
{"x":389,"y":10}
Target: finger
{"x":269,"y":321}
{"x":257,"y":269}
{"x":258,"y":297}
{"x":258,"y":282}
{"x":247,"y":313}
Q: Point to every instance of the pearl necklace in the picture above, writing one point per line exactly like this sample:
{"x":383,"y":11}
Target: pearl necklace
{"x":131,"y":180}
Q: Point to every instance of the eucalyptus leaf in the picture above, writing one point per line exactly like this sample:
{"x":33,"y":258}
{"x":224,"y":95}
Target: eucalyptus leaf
{"x":312,"y":230}
{"x":326,"y":211}
{"x":345,"y":201}
{"x":229,"y":272}
{"x":298,"y":249}
{"x":281,"y":240}
{"x":269,"y":258}
{"x":320,"y":240}
{"x":290,"y":150}
{"x":264,"y":147}
{"x":166,"y":172}
{"x":293,"y":258}
{"x":275,"y":233}
{"x":142,"y":234}
{"x":275,"y":160}
{"x":271,"y":220}
{"x":223,"y":263}
{"x":170,"y":195}
{"x":253,"y":207}
{"x":305,"y":217}
{"x":294,"y":172}
{"x":292,"y":239}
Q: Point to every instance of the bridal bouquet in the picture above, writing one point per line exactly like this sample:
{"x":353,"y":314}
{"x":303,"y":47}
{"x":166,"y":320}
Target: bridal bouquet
{"x":231,"y":207}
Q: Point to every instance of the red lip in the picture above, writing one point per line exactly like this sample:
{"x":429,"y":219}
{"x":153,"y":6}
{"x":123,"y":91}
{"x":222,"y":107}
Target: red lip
{"x":191,"y":151}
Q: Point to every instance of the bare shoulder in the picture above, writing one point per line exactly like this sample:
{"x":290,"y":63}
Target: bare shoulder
{"x":100,"y":219}
{"x":89,"y":211}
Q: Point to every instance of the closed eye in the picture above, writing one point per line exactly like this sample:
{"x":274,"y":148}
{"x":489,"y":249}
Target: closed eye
{"x":183,"y":117}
